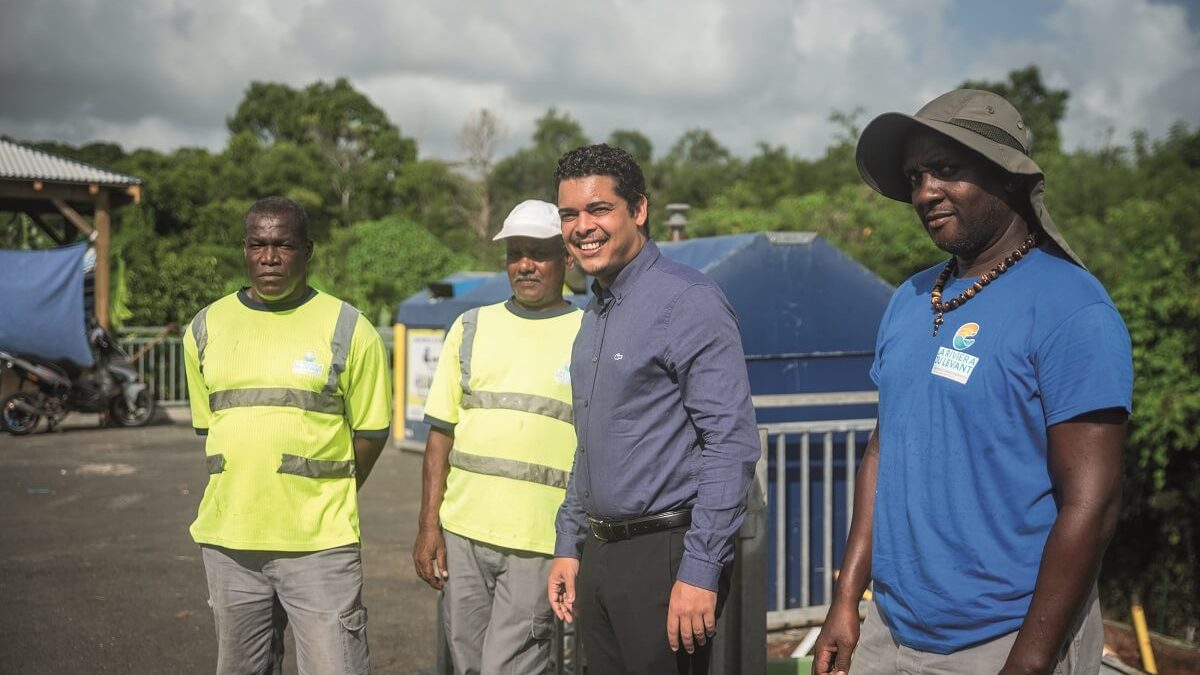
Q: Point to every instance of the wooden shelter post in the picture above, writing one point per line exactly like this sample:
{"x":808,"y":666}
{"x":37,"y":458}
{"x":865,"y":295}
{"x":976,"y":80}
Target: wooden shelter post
{"x":103,"y":223}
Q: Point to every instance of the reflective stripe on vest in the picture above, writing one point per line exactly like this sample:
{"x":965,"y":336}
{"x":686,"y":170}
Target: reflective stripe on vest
{"x":316,"y":468}
{"x":343,"y":332}
{"x":200,"y":334}
{"x":531,"y":403}
{"x":283,"y":397}
{"x":504,"y":400}
{"x":470,"y":321}
{"x":325,"y":401}
{"x":215,"y":463}
{"x":509,"y":468}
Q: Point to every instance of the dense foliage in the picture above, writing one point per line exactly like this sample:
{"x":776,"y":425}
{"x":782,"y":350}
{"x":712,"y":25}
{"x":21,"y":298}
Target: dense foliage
{"x":386,"y":223}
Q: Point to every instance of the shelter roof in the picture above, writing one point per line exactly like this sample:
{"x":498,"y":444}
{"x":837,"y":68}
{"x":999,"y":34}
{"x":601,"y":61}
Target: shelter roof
{"x":18,"y":162}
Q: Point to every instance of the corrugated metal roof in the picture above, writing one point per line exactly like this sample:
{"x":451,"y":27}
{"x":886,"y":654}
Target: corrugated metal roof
{"x":22,"y":163}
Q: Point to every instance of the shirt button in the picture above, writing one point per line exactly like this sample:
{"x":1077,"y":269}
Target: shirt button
{"x":595,"y":359}
{"x":587,"y":493}
{"x":585,"y":404}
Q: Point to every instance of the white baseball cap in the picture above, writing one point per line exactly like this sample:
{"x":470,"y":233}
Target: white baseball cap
{"x":532,"y":218}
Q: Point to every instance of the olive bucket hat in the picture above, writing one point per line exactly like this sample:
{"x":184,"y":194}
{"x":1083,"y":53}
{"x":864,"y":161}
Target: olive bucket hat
{"x":980,"y":120}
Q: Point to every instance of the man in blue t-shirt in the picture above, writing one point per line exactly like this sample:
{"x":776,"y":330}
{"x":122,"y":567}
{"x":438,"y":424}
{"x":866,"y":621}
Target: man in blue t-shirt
{"x":991,"y":484}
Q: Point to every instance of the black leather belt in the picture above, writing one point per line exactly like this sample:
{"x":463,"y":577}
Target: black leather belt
{"x":617,"y":530}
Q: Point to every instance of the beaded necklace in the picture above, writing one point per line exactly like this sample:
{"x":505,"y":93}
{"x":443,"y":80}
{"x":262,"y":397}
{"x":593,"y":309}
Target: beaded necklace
{"x":935,"y":296}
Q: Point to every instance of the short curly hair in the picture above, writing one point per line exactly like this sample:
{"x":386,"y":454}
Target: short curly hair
{"x":281,"y":208}
{"x":602,"y":159}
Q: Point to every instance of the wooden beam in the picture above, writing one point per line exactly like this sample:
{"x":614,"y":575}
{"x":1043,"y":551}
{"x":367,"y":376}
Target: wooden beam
{"x":65,"y":191}
{"x":75,"y":219}
{"x":41,"y":206}
{"x":37,"y":220}
{"x":102,"y":285}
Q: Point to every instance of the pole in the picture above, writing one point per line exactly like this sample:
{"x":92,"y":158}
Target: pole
{"x":103,"y":242}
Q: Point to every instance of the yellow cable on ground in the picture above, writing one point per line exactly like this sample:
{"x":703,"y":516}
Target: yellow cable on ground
{"x":1143,"y":636}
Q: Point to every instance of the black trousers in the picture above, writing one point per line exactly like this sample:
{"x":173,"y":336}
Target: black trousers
{"x":622,"y":595}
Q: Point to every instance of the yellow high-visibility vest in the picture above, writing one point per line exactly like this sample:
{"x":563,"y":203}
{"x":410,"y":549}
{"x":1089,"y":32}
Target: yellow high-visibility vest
{"x":503,"y":388}
{"x":280,"y":394}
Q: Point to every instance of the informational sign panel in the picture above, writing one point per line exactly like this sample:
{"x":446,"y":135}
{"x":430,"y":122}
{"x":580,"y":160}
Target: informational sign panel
{"x":424,"y":347}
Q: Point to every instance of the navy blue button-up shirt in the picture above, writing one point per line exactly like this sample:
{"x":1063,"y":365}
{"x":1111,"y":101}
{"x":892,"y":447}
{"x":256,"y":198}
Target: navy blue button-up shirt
{"x":662,"y":412}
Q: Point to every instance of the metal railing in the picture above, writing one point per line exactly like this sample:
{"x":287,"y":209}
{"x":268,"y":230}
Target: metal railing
{"x":158,"y":358}
{"x":812,"y":464}
{"x":809,"y":475}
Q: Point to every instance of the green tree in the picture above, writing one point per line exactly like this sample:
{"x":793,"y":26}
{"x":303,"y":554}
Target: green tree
{"x":695,"y":170}
{"x":433,"y":194}
{"x":479,"y":138}
{"x":375,"y":264}
{"x":271,"y":112}
{"x":837,"y":167}
{"x":635,"y":143}
{"x":529,"y":172}
{"x":359,"y":148}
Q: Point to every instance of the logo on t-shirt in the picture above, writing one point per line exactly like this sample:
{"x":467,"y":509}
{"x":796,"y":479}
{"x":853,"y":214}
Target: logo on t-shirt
{"x":964,"y":337}
{"x":307,"y":365}
{"x":953,"y":364}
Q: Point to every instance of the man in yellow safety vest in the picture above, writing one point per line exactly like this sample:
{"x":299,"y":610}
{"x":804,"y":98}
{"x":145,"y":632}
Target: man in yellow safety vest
{"x":290,"y":387}
{"x":500,"y":449}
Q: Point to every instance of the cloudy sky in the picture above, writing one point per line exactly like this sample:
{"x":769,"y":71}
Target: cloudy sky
{"x":166,"y":73}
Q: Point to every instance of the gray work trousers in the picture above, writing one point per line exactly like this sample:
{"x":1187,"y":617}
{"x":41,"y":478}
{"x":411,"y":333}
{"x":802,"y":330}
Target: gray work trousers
{"x":256,"y":594}
{"x":497,"y":614}
{"x":879,"y":654}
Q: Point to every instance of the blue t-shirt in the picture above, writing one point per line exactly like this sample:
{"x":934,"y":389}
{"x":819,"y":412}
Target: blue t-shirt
{"x":964,"y":501}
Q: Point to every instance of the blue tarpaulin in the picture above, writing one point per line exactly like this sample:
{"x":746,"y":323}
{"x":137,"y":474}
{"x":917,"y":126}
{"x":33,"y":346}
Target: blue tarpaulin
{"x":41,"y":304}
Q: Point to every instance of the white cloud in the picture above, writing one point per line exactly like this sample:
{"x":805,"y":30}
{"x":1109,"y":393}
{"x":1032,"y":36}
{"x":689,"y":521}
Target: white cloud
{"x":1127,"y":64}
{"x":167,"y":74}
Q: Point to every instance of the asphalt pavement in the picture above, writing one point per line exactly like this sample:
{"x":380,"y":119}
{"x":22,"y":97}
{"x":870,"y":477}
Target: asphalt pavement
{"x":99,"y":575}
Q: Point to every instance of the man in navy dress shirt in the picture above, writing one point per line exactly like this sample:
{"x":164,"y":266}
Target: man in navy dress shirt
{"x":666,"y":432}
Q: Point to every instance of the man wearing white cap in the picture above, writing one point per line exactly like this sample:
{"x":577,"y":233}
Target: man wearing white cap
{"x":500,"y":448}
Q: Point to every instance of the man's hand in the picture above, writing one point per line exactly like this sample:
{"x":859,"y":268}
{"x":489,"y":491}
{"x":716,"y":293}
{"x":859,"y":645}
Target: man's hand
{"x":429,"y":557}
{"x":691,"y":616}
{"x":836,"y":642}
{"x":561,"y":587}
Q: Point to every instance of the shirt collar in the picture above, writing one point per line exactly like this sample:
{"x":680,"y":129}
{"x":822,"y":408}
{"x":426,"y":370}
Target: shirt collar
{"x":517,"y":310}
{"x":627,"y":277}
{"x":244,"y":296}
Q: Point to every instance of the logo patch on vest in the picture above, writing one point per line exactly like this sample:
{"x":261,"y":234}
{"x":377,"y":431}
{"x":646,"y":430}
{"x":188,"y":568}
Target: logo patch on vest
{"x":308,"y":365}
{"x":563,"y":375}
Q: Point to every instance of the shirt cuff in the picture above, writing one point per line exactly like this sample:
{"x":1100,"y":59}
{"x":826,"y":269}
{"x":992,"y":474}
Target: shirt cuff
{"x":699,"y":572}
{"x":372,"y":433}
{"x":440,"y":424}
{"x":568,"y":546}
